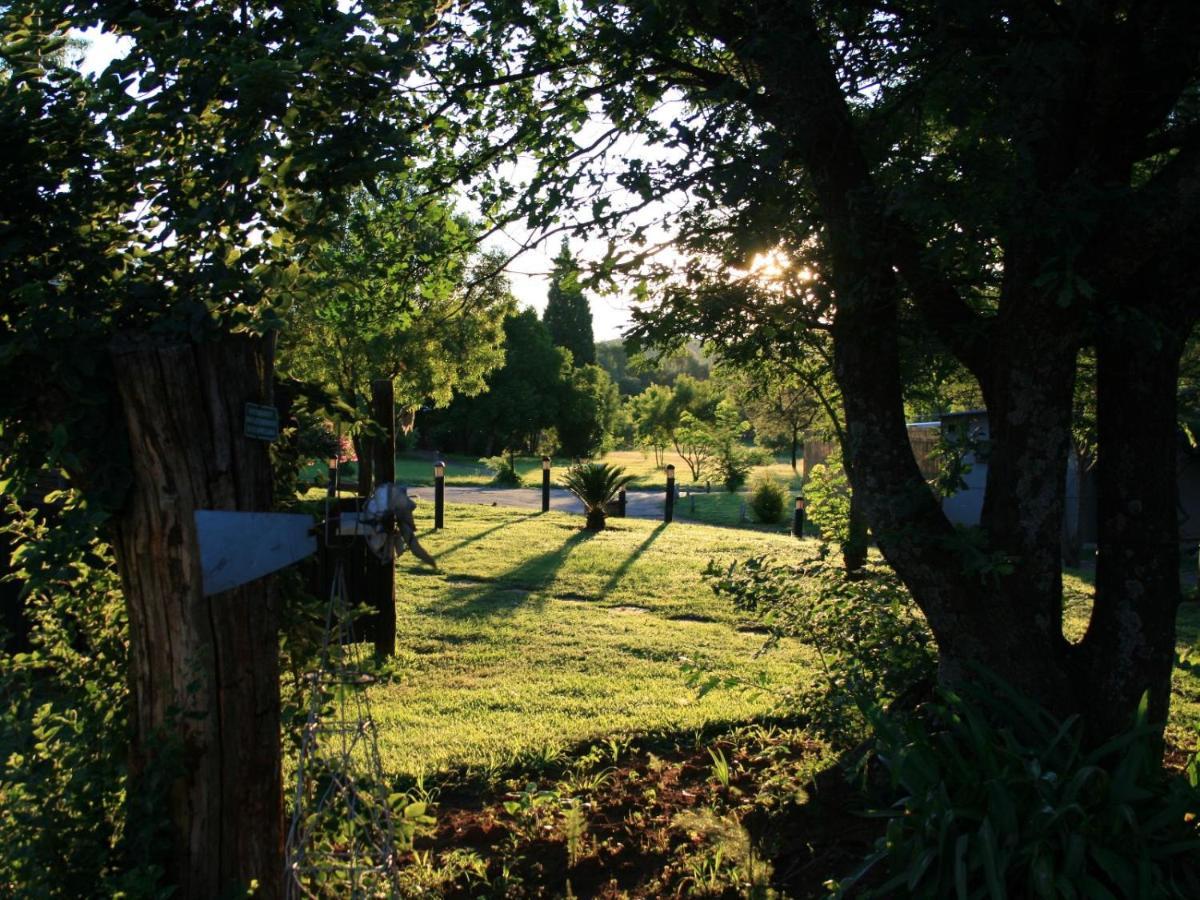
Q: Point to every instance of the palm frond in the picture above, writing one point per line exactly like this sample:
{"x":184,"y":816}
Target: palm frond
{"x":595,"y":484}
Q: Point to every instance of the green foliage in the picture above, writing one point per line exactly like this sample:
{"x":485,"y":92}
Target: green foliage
{"x":1000,"y":798}
{"x":178,"y":207}
{"x":596,"y":485}
{"x":567,"y":316}
{"x":768,"y":499}
{"x":587,"y":412}
{"x":873,"y":644}
{"x":694,"y":443}
{"x":522,"y":398}
{"x":653,"y":419}
{"x":731,"y":460}
{"x":398,"y":295}
{"x":64,"y":711}
{"x":827,"y":496}
{"x":506,"y":475}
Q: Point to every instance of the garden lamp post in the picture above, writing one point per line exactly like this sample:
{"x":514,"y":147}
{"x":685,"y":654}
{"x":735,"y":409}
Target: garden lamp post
{"x":669,"y":509}
{"x":798,"y":518}
{"x":439,"y":494}
{"x":545,"y":484}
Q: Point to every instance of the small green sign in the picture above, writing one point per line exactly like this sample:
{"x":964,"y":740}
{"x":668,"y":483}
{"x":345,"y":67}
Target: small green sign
{"x":262,"y":422}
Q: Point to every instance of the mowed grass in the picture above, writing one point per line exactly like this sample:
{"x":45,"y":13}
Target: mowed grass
{"x":534,"y":636}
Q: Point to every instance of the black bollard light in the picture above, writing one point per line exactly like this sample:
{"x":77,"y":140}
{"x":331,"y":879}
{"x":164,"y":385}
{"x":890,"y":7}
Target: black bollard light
{"x":545,"y":484}
{"x":669,"y":509}
{"x":439,"y":494}
{"x":798,"y":518}
{"x":621,"y":503}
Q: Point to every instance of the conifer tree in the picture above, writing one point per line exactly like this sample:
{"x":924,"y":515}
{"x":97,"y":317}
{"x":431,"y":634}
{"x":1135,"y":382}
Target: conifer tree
{"x":568,"y":316}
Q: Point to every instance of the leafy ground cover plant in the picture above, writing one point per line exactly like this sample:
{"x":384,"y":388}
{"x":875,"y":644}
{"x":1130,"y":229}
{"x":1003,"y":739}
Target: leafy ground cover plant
{"x":596,"y":485}
{"x":873,"y":644}
{"x":642,"y":817}
{"x":999,"y":798}
{"x":64,"y":720}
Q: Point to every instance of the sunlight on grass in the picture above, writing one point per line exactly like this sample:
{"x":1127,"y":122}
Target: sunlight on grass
{"x":535,"y":635}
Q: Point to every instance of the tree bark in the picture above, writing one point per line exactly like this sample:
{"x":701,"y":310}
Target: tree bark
{"x":1129,"y":647}
{"x":204,"y":670}
{"x":854,"y":550}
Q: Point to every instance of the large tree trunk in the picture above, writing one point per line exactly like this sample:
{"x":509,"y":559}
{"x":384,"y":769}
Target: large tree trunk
{"x":854,"y":550}
{"x":204,"y":670}
{"x":1130,"y":644}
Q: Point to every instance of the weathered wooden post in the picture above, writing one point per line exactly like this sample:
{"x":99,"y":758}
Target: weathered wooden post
{"x":545,"y":484}
{"x":204,"y":670}
{"x":439,"y":494}
{"x":381,"y":574}
{"x":669,"y":508}
{"x":798,"y":518}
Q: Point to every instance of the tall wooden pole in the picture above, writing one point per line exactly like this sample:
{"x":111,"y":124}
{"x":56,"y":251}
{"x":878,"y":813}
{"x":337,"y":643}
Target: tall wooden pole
{"x":204,"y":671}
{"x":381,"y":577}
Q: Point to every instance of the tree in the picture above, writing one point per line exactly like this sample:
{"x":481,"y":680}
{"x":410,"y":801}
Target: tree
{"x":1017,"y":181}
{"x":612,"y":357}
{"x":153,"y":217}
{"x":780,"y":406}
{"x":587,"y":412}
{"x":731,"y":458}
{"x":523,"y":396}
{"x":693,"y":442}
{"x":654,"y":419}
{"x":398,"y":297}
{"x":567,"y":316}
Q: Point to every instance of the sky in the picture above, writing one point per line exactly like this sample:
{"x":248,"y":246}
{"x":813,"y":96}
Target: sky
{"x":528,"y":273}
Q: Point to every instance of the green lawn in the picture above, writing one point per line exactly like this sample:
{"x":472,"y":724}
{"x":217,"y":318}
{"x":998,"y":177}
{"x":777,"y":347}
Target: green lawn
{"x":534,"y":636}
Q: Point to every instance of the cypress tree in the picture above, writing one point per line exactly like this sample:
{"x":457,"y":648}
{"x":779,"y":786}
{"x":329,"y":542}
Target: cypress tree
{"x":568,"y":317}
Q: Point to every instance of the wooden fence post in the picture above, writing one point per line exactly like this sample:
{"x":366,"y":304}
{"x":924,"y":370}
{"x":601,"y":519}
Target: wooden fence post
{"x":381,"y":578}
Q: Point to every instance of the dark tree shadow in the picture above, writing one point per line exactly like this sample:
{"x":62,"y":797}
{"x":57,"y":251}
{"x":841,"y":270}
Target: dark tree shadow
{"x":480,"y":536}
{"x":633,"y":557}
{"x":503,"y":594}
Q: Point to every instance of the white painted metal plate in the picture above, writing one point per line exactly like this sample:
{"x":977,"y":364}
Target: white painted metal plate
{"x":238,"y":547}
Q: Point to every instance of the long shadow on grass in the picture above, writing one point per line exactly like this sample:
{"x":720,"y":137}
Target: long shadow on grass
{"x":628,"y":562}
{"x":478,"y":537}
{"x":505,"y":593}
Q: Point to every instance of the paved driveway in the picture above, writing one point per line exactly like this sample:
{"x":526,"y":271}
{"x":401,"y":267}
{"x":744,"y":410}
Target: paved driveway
{"x":638,"y":504}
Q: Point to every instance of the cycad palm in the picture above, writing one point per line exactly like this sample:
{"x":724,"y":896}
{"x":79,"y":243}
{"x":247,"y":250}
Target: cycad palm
{"x":595,"y":484}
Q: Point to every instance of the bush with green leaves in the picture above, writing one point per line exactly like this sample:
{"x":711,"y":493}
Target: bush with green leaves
{"x":872,"y":642}
{"x":827,"y":495}
{"x":768,"y":499}
{"x":999,"y":798}
{"x":64,"y":719}
{"x":506,"y":472}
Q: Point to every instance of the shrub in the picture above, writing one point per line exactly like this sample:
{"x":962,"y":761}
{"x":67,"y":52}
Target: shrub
{"x":999,"y":798}
{"x":596,"y":485}
{"x":506,"y":473}
{"x":768,"y":500}
{"x":827,"y":491}
{"x":64,"y":720}
{"x":873,"y":643}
